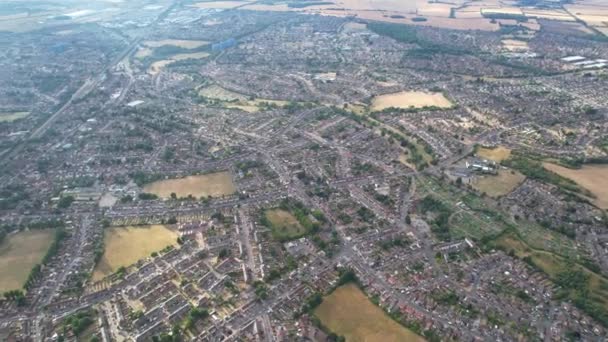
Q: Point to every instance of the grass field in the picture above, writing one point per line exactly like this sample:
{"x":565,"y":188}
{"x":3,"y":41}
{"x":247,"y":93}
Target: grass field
{"x":284,"y":225}
{"x":497,"y":154}
{"x":186,"y":44}
{"x":126,"y":245}
{"x":211,"y":184}
{"x":499,"y":185}
{"x":13,"y":116}
{"x":591,"y":177}
{"x":18,"y":255}
{"x":157,"y":66}
{"x":218,"y":93}
{"x":409,"y":99}
{"x":552,"y":264}
{"x":348,"y":312}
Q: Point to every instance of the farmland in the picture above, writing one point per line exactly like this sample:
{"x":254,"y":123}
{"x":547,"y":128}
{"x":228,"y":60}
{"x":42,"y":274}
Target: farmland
{"x":591,"y":177}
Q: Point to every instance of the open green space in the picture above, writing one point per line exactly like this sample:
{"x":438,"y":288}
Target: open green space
{"x":12,"y":116}
{"x":348,"y":312}
{"x":126,"y":245}
{"x":577,"y":281}
{"x":284,"y":225}
{"x":19,"y":253}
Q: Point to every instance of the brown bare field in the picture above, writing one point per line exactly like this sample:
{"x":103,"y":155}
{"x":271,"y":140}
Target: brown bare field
{"x":408,"y":99}
{"x":212,"y":184}
{"x":548,"y":14}
{"x":19,"y":253}
{"x":125,"y":246}
{"x":499,"y":185}
{"x":349,"y":313}
{"x":591,"y":177}
{"x":593,"y":15}
{"x":497,"y":154}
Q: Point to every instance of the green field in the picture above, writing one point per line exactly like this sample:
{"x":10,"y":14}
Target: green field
{"x":284,"y":225}
{"x":587,"y":287}
{"x":349,"y":313}
{"x":19,"y":253}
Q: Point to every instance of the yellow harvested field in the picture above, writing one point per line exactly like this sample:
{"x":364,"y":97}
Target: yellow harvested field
{"x":435,"y":10}
{"x":531,"y":24}
{"x":548,"y":14}
{"x":125,"y":246}
{"x":394,"y":11}
{"x":409,"y":99}
{"x":467,"y":14}
{"x":19,"y":253}
{"x":515,"y":45}
{"x":499,"y":185}
{"x":496,"y":154}
{"x":591,"y":177}
{"x":212,"y":184}
{"x":186,"y":44}
{"x":349,"y":313}
{"x":502,"y":10}
{"x":220,"y":4}
{"x":14,"y":116}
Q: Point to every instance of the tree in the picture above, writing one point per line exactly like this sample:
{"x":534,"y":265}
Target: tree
{"x":261,"y":290}
{"x":224,"y":253}
{"x":173,"y":195}
{"x":65,"y":202}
